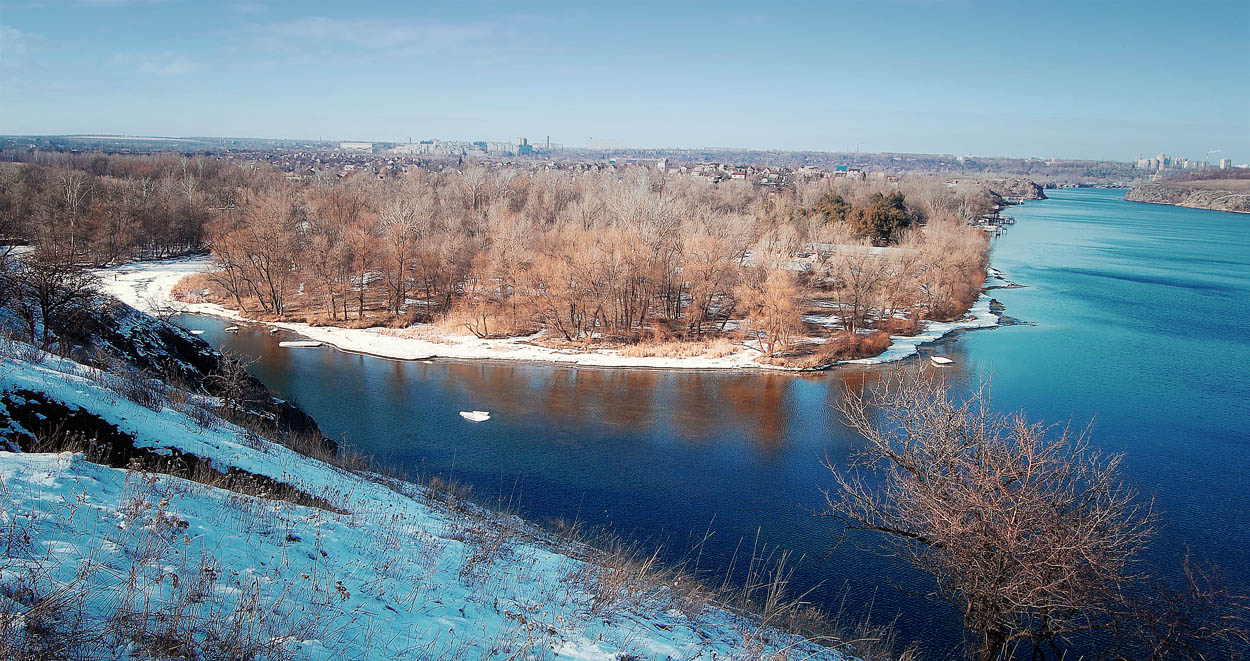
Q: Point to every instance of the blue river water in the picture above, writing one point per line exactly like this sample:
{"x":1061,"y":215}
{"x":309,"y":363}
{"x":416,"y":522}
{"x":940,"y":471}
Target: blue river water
{"x":1135,"y":319}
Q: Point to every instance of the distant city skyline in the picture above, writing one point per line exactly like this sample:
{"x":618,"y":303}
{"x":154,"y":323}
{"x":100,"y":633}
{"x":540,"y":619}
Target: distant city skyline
{"x":1103,"y":81}
{"x":438,"y":146}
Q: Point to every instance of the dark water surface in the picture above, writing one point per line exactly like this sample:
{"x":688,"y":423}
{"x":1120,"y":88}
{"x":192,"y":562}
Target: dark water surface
{"x":1141,"y":326}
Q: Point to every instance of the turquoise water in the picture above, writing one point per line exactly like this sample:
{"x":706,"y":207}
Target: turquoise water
{"x":1140,"y":326}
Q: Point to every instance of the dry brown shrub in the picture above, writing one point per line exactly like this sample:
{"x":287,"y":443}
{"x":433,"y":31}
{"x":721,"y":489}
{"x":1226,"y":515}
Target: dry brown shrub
{"x":403,"y":319}
{"x":196,"y":288}
{"x":849,"y":346}
{"x":457,"y":322}
{"x":896,"y":326}
{"x":469,"y":320}
{"x":963,"y":295}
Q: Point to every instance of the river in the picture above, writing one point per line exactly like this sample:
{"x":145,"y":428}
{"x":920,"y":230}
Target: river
{"x":1135,"y":318}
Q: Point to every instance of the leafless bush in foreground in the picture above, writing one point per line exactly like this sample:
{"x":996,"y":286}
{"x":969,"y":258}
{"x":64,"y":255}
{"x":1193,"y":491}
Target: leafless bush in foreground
{"x":1029,"y":532}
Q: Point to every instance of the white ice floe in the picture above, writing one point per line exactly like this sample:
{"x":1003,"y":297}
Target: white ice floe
{"x":300,"y":343}
{"x":475,"y":416}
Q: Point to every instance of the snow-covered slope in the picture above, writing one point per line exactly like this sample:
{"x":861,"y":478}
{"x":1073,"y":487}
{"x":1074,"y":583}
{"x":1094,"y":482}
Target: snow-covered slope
{"x":119,"y":562}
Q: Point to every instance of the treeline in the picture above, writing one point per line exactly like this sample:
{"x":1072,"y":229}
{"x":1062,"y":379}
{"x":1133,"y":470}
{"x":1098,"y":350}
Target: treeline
{"x":98,"y":209}
{"x":620,"y":256}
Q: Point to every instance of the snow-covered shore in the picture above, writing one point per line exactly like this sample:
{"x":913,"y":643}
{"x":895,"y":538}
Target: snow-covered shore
{"x":902,"y":346}
{"x":147,"y":285}
{"x":392,"y":571}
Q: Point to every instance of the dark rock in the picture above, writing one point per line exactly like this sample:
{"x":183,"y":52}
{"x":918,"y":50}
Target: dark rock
{"x":48,"y":425}
{"x":1025,"y":189}
{"x":167,"y":351}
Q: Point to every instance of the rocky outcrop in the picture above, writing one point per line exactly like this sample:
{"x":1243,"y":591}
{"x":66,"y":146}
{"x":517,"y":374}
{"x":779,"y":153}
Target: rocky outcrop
{"x":33,"y":421}
{"x":117,"y":332}
{"x":1178,"y":194}
{"x":146,"y":343}
{"x":1017,"y":188}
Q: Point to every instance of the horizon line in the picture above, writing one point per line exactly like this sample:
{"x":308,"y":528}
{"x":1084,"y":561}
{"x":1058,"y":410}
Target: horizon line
{"x":199,"y":138}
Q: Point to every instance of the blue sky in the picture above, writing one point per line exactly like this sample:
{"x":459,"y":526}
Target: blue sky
{"x":1079,"y":80}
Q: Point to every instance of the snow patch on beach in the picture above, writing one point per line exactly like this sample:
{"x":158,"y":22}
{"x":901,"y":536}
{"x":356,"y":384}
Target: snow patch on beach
{"x":902,"y":346}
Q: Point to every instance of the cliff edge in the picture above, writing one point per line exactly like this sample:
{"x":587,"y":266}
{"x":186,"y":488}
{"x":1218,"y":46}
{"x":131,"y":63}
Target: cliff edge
{"x":1214,"y":194}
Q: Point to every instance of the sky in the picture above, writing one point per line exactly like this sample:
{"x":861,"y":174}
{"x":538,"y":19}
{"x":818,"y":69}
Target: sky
{"x":1098,"y":80}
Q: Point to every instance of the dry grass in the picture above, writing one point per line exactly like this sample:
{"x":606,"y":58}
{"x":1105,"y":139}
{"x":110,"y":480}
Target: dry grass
{"x":454,"y":323}
{"x":1229,"y":185}
{"x":370,"y":320}
{"x":896,"y":326}
{"x":465,"y":320}
{"x":167,"y":603}
{"x":757,"y":587}
{"x":423,"y":332}
{"x":197,"y":288}
{"x":838,"y":345}
{"x":711,"y":348}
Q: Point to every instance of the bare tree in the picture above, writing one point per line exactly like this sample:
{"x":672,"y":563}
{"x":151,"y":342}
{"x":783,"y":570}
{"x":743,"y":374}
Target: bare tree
{"x":625,"y":255}
{"x":271,"y":246}
{"x":772,"y":313}
{"x":402,"y":223}
{"x":74,"y":189}
{"x":12,"y":196}
{"x":1203,"y":619}
{"x":857,"y":278}
{"x":48,"y":291}
{"x":1028,"y":531}
{"x":231,"y":383}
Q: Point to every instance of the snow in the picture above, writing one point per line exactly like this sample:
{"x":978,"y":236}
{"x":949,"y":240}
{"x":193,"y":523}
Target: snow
{"x":398,"y":574}
{"x":147,"y":285}
{"x":475,"y":416}
{"x":902,"y":346}
{"x":830,"y":320}
{"x":299,"y":343}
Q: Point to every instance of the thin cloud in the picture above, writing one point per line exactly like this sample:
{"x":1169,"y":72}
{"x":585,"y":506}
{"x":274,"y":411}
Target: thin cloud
{"x":249,"y":7}
{"x":14,"y":44}
{"x":376,"y":34}
{"x":107,"y":4}
{"x":167,"y":63}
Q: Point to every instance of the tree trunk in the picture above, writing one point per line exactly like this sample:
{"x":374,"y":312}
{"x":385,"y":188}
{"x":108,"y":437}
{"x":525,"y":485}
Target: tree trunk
{"x":992,"y":644}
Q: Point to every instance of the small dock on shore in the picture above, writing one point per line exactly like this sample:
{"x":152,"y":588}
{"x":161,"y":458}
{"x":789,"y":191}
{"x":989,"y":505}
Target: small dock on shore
{"x":994,"y":223}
